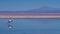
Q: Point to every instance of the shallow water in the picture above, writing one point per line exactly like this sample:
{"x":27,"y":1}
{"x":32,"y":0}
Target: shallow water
{"x":31,"y":26}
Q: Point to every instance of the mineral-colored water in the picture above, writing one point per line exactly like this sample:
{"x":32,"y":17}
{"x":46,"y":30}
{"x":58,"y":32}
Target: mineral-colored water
{"x":31,"y":26}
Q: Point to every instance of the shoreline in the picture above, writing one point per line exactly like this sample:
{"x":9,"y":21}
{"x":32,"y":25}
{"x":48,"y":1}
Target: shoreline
{"x":29,"y":15}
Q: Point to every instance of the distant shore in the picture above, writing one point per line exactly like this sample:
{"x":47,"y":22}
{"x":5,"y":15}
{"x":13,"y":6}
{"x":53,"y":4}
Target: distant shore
{"x":29,"y":15}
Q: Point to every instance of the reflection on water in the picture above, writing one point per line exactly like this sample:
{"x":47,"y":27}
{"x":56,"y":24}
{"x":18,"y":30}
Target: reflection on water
{"x":31,"y":26}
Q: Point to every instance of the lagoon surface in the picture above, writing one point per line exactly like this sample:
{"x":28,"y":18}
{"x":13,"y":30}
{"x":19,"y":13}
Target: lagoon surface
{"x":31,"y":26}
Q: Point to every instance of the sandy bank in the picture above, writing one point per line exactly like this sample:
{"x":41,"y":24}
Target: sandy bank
{"x":29,"y":16}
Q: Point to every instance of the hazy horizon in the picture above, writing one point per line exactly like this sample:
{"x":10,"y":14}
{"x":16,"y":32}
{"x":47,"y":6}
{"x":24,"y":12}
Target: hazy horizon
{"x":19,"y":5}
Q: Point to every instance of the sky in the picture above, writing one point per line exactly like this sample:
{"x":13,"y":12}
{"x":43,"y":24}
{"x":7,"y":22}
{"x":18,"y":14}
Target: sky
{"x":16,"y":5}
